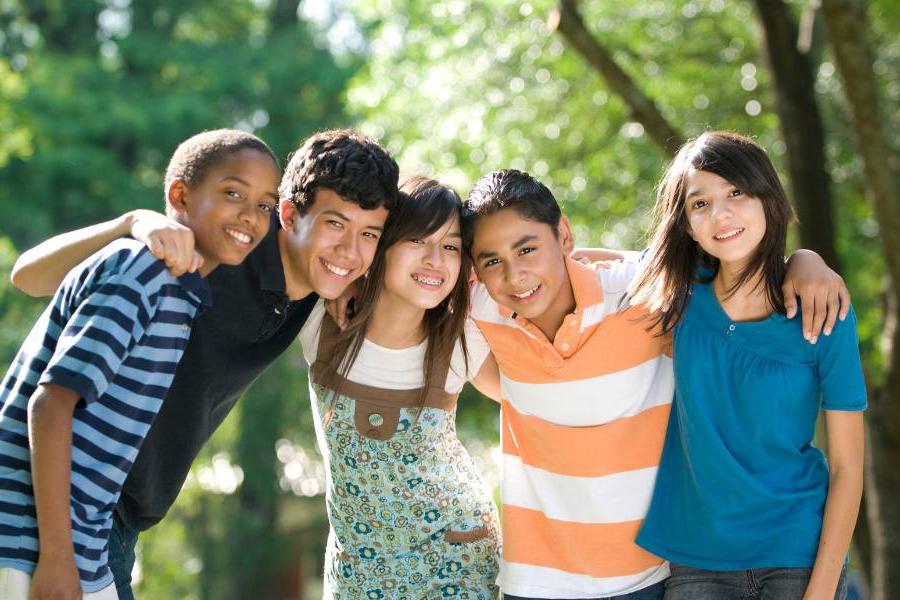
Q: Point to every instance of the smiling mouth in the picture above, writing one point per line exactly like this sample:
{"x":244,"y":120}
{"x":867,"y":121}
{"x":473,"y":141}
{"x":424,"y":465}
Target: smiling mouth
{"x":426,"y":280}
{"x":727,"y":235}
{"x":527,"y":293}
{"x":334,"y":269}
{"x":239,"y":236}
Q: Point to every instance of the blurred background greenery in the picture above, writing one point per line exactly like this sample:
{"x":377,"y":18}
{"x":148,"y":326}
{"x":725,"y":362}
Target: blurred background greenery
{"x":591,"y":97}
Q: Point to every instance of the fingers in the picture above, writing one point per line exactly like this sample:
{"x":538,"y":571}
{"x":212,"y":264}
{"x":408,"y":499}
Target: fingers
{"x":832,"y":306}
{"x":337,"y":308}
{"x":814,"y":311}
{"x":844,"y":297}
{"x":790,"y":300}
{"x":168,"y":241}
{"x":196,"y":262}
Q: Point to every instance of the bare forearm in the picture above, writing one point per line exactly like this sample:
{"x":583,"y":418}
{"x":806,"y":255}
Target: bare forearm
{"x":841,"y":509}
{"x":40,"y":270}
{"x":50,"y":438}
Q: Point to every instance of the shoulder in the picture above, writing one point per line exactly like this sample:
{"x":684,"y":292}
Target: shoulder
{"x":482,"y":307}
{"x":615,"y":276}
{"x":124,"y":262}
{"x":844,"y":333}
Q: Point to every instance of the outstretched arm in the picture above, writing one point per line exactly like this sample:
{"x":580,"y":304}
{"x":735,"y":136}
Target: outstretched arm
{"x":823,"y":295}
{"x":40,"y":270}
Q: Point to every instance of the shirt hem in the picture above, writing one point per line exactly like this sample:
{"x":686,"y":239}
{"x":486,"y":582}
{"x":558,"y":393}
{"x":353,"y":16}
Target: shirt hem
{"x":766,"y":562}
{"x":29,"y":567}
{"x":551,"y":593}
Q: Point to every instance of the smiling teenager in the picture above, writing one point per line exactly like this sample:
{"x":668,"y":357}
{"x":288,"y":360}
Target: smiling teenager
{"x":776,"y":518}
{"x":334,"y":197}
{"x":409,"y":515}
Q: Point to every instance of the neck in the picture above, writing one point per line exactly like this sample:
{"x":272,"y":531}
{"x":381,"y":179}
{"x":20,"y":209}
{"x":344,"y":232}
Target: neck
{"x":396,"y":324}
{"x":552,"y":319}
{"x":749,"y":302}
{"x":296,"y":287}
{"x":207,"y":268}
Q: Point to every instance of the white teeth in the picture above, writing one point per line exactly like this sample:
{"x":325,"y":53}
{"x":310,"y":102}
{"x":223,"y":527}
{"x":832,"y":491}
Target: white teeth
{"x":729,"y":234}
{"x":239,"y":236}
{"x":336,"y":270}
{"x":428,"y":280}
{"x":524,"y":295}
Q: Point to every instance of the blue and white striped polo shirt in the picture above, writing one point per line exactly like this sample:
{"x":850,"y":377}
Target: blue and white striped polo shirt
{"x":114,"y":333}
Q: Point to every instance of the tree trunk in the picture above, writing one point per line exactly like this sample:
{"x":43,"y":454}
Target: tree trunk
{"x":847,"y":25}
{"x":566,"y":19}
{"x":801,"y":128}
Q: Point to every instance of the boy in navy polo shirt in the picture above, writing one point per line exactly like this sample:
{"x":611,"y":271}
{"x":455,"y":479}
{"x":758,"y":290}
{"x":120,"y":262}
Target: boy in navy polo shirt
{"x":88,"y":381}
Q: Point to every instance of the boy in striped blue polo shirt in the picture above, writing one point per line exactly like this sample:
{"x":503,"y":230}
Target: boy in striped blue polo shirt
{"x":89,"y":379}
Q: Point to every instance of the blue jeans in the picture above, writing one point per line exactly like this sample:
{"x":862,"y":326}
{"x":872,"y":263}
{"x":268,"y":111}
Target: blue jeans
{"x":687,"y":583}
{"x":652,"y":592}
{"x":122,"y":541}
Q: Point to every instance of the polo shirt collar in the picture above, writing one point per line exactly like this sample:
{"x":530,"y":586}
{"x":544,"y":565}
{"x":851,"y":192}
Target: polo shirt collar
{"x":266,"y":260}
{"x":198,"y":287}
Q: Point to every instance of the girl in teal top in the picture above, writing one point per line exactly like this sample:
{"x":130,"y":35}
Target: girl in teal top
{"x":745,"y":506}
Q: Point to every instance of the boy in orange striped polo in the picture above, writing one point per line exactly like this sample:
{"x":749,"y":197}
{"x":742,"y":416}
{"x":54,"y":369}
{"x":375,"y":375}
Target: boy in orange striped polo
{"x":586,"y":395}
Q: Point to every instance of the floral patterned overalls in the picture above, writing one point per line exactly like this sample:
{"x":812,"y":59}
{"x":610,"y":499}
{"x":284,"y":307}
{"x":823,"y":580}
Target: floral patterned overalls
{"x":410,"y":516}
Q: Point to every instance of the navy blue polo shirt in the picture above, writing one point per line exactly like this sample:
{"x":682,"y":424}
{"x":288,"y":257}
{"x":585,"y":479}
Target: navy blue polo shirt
{"x":251,"y":323}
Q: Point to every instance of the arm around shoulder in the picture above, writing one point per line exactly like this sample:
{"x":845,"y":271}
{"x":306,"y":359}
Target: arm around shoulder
{"x":40,"y":270}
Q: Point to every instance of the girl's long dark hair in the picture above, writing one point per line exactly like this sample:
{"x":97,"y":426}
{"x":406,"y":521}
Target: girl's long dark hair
{"x":675,"y":260}
{"x":423,"y":206}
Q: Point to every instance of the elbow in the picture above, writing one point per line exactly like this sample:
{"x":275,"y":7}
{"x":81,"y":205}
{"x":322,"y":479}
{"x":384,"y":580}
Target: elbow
{"x":19,"y":278}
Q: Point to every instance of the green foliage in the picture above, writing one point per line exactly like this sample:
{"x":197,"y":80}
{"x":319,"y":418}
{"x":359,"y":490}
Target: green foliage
{"x":103,"y":106}
{"x":462,"y":88}
{"x":17,"y":311}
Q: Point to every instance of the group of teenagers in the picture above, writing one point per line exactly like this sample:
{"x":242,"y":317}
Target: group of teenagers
{"x":657,"y":409}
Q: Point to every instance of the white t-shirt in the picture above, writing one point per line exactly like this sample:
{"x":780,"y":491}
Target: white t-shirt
{"x":398,"y":369}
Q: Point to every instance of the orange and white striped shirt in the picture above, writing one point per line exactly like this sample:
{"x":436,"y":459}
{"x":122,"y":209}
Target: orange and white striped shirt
{"x":583,"y":423}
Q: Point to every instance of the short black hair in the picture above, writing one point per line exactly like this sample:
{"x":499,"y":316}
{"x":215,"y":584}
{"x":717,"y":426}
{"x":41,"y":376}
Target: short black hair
{"x":346,"y":162}
{"x":513,"y":189}
{"x":196,"y":155}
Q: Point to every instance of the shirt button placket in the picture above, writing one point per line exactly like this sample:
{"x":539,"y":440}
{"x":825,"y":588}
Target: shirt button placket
{"x":731,"y":329}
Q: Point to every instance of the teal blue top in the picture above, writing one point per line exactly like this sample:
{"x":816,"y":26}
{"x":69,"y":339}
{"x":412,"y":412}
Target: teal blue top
{"x":741,"y":484}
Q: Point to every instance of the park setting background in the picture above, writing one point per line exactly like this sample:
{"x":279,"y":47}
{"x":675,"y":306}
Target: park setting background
{"x":591,"y":97}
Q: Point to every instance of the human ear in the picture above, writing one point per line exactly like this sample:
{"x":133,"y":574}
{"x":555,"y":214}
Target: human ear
{"x":564,"y":235}
{"x":287,"y":213}
{"x":176,"y":196}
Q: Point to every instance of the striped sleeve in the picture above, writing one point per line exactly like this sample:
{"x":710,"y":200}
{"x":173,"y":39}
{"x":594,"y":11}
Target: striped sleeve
{"x":111,"y":316}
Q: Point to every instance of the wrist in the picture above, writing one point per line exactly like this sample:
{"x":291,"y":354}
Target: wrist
{"x":125,"y":222}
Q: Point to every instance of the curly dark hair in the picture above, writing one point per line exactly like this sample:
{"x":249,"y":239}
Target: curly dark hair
{"x":196,"y":155}
{"x":346,"y":162}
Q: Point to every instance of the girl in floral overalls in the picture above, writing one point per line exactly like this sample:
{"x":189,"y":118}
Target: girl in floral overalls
{"x":410,"y":516}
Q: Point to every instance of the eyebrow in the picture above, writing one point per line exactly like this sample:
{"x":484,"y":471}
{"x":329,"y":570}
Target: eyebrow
{"x":517,"y":244}
{"x":342,"y":216}
{"x":243,"y":182}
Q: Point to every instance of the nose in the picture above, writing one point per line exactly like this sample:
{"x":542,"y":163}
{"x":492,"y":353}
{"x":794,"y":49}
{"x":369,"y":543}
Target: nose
{"x":720,"y":210}
{"x":512,"y":272}
{"x":348,"y":247}
{"x":433,"y":256}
